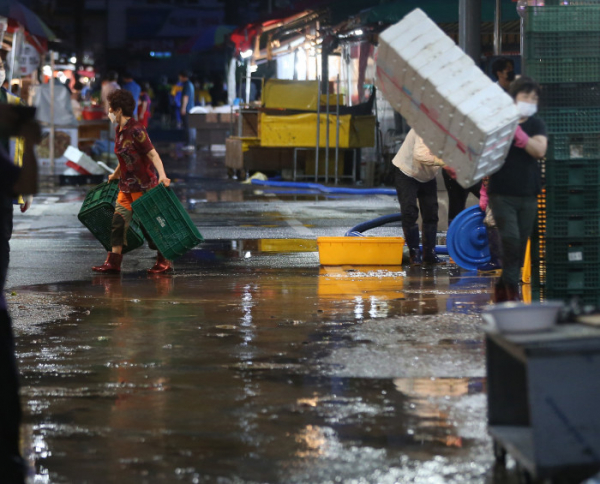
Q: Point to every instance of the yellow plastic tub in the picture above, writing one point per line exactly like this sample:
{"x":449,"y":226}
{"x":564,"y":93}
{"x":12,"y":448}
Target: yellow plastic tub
{"x":360,"y":251}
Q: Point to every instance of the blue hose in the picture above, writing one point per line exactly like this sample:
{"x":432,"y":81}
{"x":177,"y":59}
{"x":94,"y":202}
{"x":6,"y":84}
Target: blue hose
{"x":357,"y":230}
{"x":325,"y":189}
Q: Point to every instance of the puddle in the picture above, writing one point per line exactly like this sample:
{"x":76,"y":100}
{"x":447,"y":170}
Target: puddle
{"x":257,"y":374}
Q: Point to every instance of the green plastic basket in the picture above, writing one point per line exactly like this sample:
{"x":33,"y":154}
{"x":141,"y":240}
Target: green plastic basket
{"x":566,"y":121}
{"x":166,"y":222}
{"x":96,"y":214}
{"x":562,"y":44}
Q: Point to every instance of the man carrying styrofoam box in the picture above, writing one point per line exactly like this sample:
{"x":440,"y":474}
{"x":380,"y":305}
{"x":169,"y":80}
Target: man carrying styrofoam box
{"x":463,"y":117}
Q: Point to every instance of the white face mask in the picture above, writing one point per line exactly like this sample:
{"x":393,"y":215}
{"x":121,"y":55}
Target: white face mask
{"x":2,"y":76}
{"x":526,"y":109}
{"x":112,"y":117}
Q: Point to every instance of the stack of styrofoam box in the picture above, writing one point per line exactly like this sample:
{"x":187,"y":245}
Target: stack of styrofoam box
{"x":462,"y":116}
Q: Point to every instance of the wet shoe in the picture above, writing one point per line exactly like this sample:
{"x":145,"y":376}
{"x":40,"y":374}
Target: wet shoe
{"x":504,"y":293}
{"x":112,"y":265}
{"x":161,"y":265}
{"x":415,"y":257}
{"x":430,"y":258}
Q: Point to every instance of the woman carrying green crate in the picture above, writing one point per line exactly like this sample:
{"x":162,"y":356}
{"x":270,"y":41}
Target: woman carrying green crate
{"x":140,"y":169}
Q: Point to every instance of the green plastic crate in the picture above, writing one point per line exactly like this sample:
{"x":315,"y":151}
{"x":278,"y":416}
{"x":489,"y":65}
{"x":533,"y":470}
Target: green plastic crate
{"x":573,"y":224}
{"x":166,"y":222}
{"x":576,"y":172}
{"x":562,"y":44}
{"x":561,"y":18}
{"x":570,"y":95}
{"x":573,"y":251}
{"x":573,"y":146}
{"x":574,"y":199}
{"x":569,"y":277}
{"x":96,"y":214}
{"x":567,"y":121}
{"x":571,"y":69}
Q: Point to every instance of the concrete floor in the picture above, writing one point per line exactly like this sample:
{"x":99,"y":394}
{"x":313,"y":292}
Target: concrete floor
{"x":251,"y":363}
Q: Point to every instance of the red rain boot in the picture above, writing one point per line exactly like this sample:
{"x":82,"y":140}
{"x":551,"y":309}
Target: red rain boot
{"x":161,"y":265}
{"x":112,"y":265}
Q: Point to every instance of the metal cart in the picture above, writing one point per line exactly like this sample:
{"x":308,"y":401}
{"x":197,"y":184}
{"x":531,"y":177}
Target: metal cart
{"x":543,"y":401}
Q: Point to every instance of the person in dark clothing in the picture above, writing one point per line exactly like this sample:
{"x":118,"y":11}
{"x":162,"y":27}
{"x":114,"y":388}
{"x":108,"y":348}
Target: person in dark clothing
{"x":12,"y":180}
{"x":513,"y":190}
{"x":504,"y":70}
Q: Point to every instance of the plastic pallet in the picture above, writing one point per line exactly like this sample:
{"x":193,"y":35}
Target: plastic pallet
{"x":576,"y":172}
{"x":570,"y":95}
{"x":562,"y":45}
{"x":574,"y":224}
{"x":573,"y":146}
{"x":560,"y":18}
{"x":166,"y":221}
{"x":96,"y":214}
{"x":567,"y":121}
{"x":572,"y":69}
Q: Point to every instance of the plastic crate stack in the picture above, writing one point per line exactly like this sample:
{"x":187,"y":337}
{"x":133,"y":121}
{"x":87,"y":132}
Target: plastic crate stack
{"x":562,"y":53}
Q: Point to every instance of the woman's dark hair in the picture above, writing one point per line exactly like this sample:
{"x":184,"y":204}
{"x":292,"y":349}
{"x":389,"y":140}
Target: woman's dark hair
{"x":523,"y":84}
{"x":122,"y":99}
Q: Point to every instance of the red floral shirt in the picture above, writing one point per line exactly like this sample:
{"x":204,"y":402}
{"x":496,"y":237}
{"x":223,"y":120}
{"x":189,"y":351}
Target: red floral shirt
{"x":132,"y":146}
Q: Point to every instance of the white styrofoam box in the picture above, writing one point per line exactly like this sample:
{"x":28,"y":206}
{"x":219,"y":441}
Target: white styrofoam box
{"x":83,"y":160}
{"x":459,"y":112}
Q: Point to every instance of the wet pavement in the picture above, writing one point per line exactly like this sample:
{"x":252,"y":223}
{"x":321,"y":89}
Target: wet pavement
{"x":251,"y":363}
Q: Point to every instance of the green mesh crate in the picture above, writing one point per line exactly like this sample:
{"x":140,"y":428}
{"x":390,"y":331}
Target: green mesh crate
{"x":576,"y":172}
{"x":166,"y":222}
{"x":561,"y":18}
{"x":573,"y":146}
{"x":570,"y":95}
{"x":96,"y":214}
{"x":572,"y":224}
{"x":571,"y":199}
{"x":572,"y":251}
{"x":542,"y":45}
{"x":566,"y":121}
{"x":571,"y":277}
{"x":571,"y":69}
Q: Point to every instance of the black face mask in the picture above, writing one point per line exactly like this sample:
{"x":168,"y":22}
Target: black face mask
{"x":510,"y":76}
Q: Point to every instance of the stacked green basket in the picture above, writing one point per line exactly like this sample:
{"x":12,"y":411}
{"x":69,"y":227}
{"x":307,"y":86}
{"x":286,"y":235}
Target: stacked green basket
{"x":562,"y":52}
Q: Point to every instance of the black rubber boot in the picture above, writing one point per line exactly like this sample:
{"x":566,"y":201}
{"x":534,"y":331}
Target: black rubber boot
{"x":429,"y":243}
{"x":411,"y":237}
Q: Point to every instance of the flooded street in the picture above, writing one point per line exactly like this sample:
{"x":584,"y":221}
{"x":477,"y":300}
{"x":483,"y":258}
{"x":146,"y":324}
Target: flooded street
{"x":251,"y":363}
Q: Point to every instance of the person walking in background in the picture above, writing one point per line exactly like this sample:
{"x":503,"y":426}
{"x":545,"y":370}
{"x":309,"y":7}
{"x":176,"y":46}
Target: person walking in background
{"x":134,"y":88}
{"x":144,"y":104}
{"x":187,"y":103}
{"x":504,"y":70}
{"x":109,"y":85}
{"x":140,"y":169}
{"x":415,"y":180}
{"x":513,"y":189}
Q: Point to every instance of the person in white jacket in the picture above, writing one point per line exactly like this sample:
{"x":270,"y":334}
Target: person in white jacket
{"x":415,"y":179}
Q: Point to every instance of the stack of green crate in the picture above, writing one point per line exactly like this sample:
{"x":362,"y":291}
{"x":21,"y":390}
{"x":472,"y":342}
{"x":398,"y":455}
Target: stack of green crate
{"x":562,"y":53}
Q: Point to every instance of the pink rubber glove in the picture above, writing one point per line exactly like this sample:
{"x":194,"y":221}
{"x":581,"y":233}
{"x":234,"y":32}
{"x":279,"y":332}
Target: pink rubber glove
{"x":521,"y":138}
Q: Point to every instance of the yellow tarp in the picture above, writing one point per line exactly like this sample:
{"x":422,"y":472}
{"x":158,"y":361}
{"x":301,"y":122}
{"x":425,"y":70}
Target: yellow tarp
{"x":300,"y":130}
